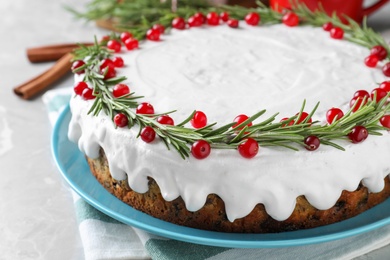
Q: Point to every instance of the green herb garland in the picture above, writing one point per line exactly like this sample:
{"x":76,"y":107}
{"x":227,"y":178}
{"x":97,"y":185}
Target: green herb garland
{"x":268,"y":132}
{"x":137,"y":16}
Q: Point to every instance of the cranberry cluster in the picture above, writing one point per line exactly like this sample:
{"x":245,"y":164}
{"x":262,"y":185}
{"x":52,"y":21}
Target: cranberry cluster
{"x":360,"y":99}
{"x":378,"y":53}
{"x":198,"y":19}
{"x":107,"y":69}
{"x":125,"y":39}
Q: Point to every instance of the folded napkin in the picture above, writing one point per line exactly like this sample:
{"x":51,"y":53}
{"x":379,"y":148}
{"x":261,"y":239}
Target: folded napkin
{"x":105,"y":238}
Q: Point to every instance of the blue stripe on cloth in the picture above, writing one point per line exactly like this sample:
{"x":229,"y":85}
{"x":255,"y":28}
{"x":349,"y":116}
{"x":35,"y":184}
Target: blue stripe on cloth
{"x":57,"y":102}
{"x":172,"y":250}
{"x":85,"y":211}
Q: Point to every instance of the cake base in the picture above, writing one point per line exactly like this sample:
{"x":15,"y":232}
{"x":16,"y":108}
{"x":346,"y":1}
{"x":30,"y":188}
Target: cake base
{"x":212,"y":215}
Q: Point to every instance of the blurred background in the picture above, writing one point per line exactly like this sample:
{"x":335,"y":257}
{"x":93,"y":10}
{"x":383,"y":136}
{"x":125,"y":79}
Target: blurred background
{"x":37,"y":219}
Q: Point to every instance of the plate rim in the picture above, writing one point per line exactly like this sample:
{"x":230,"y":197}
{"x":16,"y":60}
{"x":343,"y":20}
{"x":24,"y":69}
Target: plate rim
{"x":195,"y":235}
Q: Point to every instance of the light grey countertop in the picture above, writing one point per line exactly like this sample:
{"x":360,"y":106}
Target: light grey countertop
{"x":37,"y":219}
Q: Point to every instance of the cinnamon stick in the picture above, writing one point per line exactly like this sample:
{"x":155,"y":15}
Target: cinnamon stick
{"x":51,"y":52}
{"x":36,"y":85}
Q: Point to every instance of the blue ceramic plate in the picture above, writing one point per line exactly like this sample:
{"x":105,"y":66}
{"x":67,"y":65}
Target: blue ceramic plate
{"x":75,"y":170}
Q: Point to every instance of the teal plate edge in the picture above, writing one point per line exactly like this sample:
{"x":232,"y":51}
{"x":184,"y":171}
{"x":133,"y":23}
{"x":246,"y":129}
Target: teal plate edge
{"x":75,"y":170}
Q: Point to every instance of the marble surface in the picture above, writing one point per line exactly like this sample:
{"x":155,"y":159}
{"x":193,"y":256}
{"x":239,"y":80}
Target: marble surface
{"x":37,"y":219}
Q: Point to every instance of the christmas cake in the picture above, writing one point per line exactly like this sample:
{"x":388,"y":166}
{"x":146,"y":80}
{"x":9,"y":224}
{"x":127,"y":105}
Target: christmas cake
{"x":237,"y":127}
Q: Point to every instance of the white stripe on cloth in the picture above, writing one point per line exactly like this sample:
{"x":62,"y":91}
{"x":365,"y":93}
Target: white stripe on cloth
{"x":104,"y":240}
{"x":344,"y":249}
{"x":145,"y":236}
{"x":55,"y":101}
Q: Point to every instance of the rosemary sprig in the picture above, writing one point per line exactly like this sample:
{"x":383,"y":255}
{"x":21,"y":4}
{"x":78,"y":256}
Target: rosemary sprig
{"x":137,"y":16}
{"x":267,"y":132}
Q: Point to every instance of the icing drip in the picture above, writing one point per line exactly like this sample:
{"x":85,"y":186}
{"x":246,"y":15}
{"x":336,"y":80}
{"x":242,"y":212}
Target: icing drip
{"x":225,"y":72}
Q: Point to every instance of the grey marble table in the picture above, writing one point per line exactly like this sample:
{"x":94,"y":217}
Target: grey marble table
{"x":37,"y":219}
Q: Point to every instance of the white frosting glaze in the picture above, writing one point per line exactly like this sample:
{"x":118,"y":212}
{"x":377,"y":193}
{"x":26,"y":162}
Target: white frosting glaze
{"x":226,"y":72}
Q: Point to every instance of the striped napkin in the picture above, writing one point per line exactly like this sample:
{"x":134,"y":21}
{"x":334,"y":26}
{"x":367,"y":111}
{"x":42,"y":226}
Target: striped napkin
{"x":105,"y":238}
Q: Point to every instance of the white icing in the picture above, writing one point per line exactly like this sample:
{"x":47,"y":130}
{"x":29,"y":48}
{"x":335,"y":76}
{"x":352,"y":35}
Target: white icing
{"x":226,"y":72}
